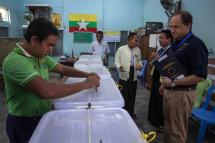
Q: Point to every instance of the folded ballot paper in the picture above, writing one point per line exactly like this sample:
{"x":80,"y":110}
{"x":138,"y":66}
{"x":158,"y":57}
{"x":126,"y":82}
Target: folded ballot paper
{"x":169,"y":66}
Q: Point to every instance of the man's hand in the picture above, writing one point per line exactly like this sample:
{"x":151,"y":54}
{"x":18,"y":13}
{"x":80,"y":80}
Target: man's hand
{"x":154,"y":55}
{"x":161,"y":90}
{"x":92,"y":81}
{"x":166,"y":82}
{"x":138,"y":66}
{"x":121,"y":69}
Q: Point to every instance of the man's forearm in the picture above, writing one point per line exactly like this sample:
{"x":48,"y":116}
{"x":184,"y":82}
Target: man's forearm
{"x":190,"y":80}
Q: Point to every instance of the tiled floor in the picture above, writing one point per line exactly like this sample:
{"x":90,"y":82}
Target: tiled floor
{"x":141,"y":109}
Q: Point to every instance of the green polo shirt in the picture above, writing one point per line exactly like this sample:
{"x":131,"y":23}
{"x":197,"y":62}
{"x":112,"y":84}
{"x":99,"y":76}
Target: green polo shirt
{"x":19,"y":69}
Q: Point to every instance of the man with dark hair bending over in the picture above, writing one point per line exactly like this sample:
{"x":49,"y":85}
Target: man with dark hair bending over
{"x":25,"y":72}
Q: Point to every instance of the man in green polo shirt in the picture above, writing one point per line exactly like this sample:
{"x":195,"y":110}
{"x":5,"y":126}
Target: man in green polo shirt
{"x":25,"y":72}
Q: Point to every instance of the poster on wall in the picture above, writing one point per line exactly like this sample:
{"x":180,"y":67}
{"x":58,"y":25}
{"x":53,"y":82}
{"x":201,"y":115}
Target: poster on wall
{"x":56,"y":19}
{"x":82,"y":22}
{"x":154,"y":41}
{"x":83,"y":37}
{"x":112,"y":36}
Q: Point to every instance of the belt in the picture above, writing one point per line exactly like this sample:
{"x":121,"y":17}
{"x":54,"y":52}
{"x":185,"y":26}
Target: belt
{"x":181,"y":88}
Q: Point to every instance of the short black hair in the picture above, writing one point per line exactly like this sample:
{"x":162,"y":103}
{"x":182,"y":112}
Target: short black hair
{"x":131,"y":35}
{"x":99,"y":32}
{"x":186,"y":17}
{"x":41,"y":28}
{"x":168,"y":34}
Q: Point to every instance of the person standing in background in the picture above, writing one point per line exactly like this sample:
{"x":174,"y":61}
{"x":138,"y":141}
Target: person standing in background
{"x":100,"y":47}
{"x":179,"y":94}
{"x":128,"y":61}
{"x":155,"y":110}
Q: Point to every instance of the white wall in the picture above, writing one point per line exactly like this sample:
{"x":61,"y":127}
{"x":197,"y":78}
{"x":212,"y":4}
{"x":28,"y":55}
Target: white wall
{"x":111,"y":15}
{"x":203,"y":20}
{"x":154,"y":12}
{"x":203,"y":17}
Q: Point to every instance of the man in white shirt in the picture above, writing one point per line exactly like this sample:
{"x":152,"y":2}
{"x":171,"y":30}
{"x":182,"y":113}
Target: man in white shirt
{"x":100,"y":47}
{"x":128,"y":61}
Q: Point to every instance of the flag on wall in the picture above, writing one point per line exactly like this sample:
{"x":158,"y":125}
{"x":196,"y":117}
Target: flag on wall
{"x":112,"y":36}
{"x":82,"y":22}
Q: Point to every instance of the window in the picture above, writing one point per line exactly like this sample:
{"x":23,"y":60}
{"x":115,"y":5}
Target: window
{"x":4,"y":14}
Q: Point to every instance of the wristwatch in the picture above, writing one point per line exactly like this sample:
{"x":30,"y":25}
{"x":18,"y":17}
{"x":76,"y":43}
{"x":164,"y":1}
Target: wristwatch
{"x":172,"y":84}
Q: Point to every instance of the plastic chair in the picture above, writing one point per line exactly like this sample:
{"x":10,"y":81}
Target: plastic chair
{"x":141,"y":74}
{"x":204,"y":115}
{"x":201,"y":90}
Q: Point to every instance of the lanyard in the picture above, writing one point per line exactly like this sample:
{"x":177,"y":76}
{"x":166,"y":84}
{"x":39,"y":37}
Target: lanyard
{"x":161,"y":52}
{"x":175,"y":47}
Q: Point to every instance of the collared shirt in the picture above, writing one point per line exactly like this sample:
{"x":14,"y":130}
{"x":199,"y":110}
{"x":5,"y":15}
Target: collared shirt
{"x":99,"y":48}
{"x":132,"y":58}
{"x":193,"y":56}
{"x":19,"y":68}
{"x":123,"y":58}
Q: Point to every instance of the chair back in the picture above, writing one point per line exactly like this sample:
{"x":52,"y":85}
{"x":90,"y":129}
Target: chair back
{"x":208,"y":98}
{"x":141,"y":74}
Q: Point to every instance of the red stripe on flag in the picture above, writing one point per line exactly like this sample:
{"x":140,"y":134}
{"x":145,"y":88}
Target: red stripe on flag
{"x":76,"y":29}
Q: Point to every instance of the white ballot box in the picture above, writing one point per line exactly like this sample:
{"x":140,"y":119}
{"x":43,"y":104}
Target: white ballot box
{"x":102,"y":71}
{"x":107,"y":95}
{"x":86,"y":61}
{"x":104,"y":125}
{"x":89,"y":57}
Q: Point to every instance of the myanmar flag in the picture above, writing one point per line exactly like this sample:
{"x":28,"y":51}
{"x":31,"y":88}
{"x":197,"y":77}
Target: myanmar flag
{"x":82,"y":22}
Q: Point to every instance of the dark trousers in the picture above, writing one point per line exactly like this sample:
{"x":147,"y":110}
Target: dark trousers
{"x":155,"y":110}
{"x":20,"y":129}
{"x":128,"y":92}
